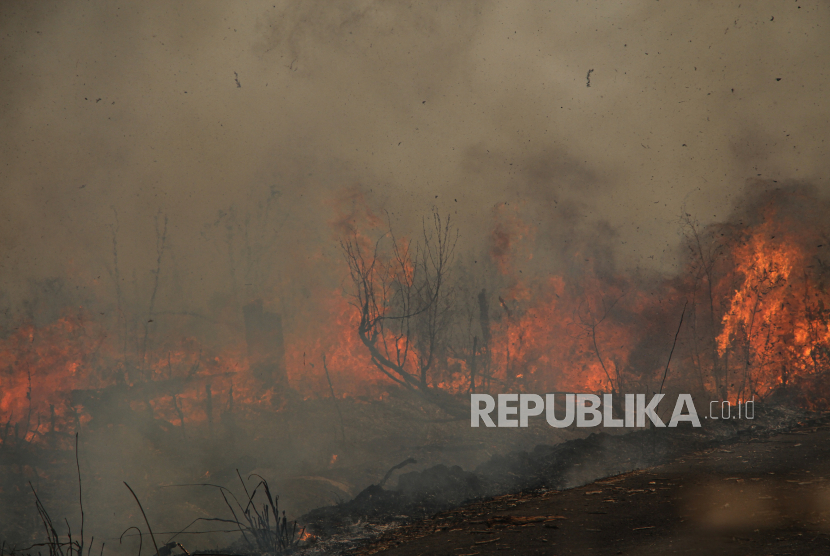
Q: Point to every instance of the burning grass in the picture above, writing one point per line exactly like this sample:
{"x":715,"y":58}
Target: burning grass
{"x":374,"y":365}
{"x":419,"y":317}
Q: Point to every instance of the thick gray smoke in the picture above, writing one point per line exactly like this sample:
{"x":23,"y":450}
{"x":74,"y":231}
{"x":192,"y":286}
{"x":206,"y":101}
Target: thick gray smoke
{"x":188,"y":157}
{"x":189,"y":109}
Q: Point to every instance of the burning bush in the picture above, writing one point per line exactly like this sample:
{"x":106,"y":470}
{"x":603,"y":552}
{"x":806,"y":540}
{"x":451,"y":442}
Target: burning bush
{"x":416,"y":314}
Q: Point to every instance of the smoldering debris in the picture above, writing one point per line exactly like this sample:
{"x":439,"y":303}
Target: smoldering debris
{"x":570,"y":464}
{"x":262,"y":528}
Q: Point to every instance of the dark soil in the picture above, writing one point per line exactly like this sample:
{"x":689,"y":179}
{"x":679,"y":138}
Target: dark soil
{"x":609,"y":517}
{"x":750,"y":495}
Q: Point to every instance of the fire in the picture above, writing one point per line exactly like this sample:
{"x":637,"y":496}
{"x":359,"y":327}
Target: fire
{"x":348,"y":364}
{"x":776,"y":324}
{"x":39,"y":366}
{"x":307,"y":537}
{"x":765,"y":267}
{"x":758,"y":321}
{"x":545,"y":347}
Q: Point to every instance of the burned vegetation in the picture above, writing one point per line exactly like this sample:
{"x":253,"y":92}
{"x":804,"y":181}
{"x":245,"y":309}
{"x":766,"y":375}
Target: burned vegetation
{"x":324,"y":390}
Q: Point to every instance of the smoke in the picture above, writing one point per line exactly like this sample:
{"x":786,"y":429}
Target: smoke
{"x":191,"y":109}
{"x":185,"y":158}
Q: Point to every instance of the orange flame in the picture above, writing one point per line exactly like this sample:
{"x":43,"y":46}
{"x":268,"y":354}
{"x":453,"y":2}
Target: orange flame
{"x":771,"y":320}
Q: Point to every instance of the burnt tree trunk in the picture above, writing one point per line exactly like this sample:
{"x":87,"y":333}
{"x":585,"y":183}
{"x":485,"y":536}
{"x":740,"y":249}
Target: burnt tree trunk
{"x":266,"y":348}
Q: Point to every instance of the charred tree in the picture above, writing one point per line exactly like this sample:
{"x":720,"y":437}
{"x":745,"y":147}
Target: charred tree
{"x":405,"y":304}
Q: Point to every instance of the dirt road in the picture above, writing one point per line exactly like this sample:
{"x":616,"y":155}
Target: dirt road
{"x":753,"y":497}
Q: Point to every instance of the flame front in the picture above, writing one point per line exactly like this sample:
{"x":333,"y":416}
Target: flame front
{"x":757,"y":321}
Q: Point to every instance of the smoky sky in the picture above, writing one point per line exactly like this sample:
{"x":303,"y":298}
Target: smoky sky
{"x":118,"y":113}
